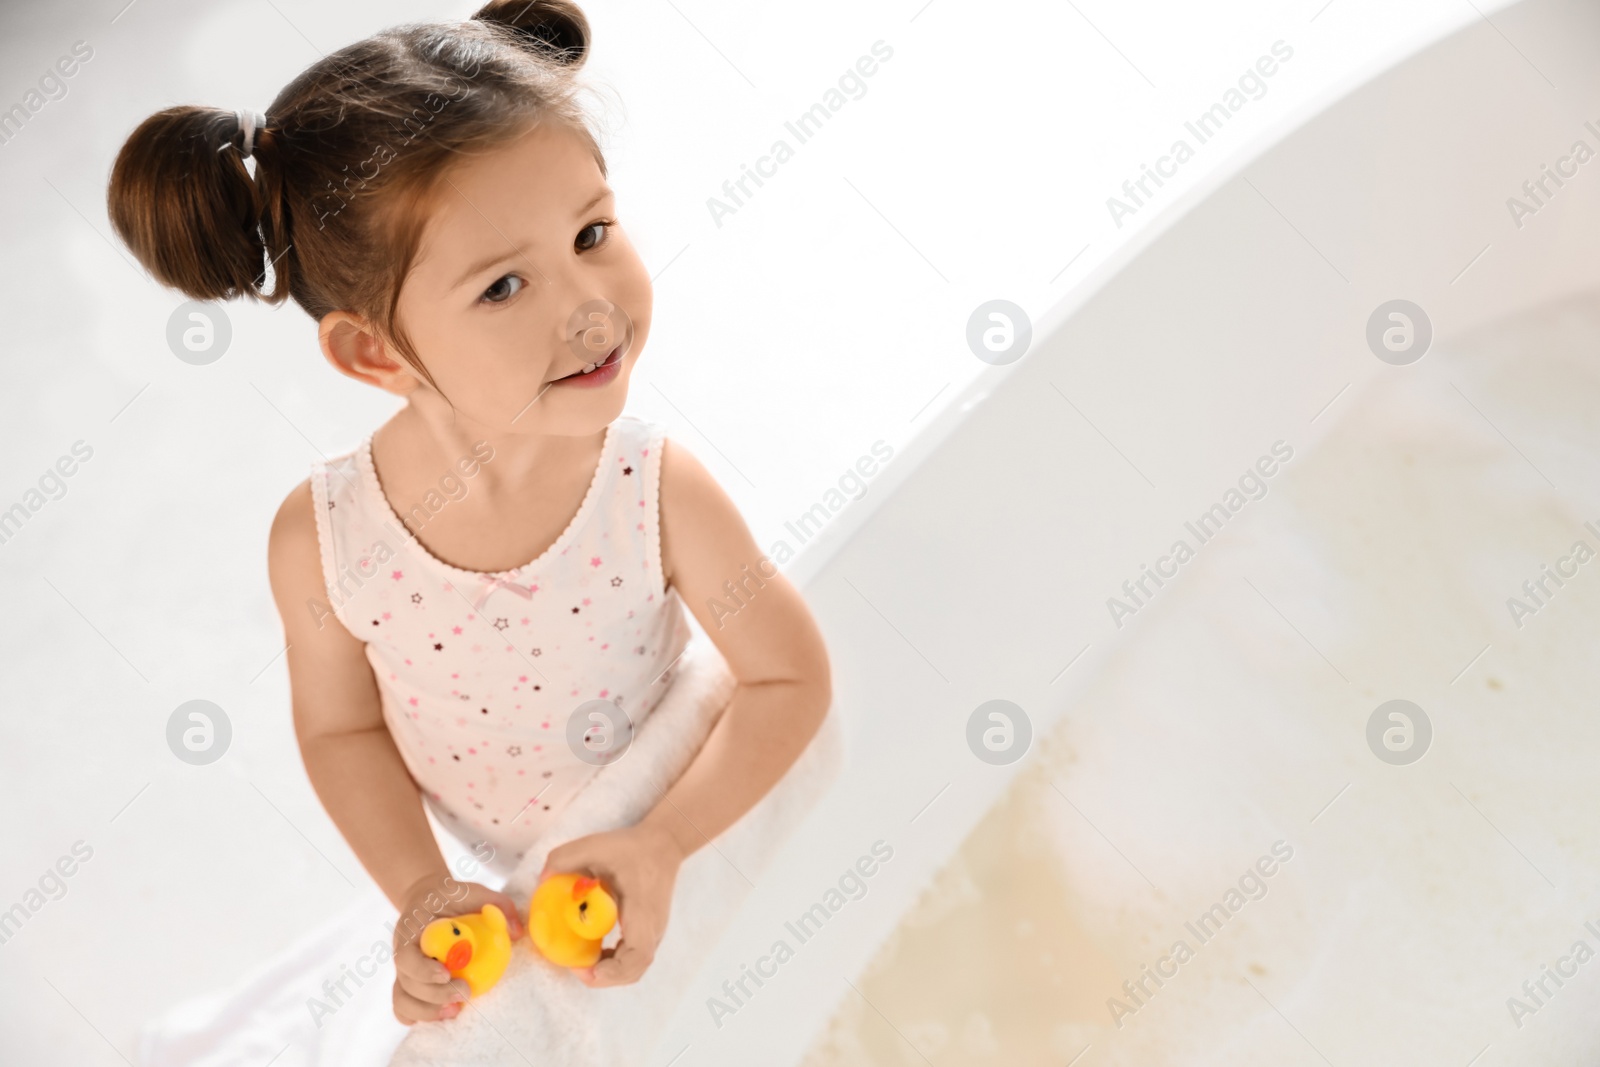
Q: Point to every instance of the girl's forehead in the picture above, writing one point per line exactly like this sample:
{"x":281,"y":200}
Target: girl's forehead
{"x":543,"y":146}
{"x":548,"y":158}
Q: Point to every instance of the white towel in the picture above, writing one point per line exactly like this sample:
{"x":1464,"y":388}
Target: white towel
{"x":280,"y":1012}
{"x":549,"y":1015}
{"x":540,"y":1013}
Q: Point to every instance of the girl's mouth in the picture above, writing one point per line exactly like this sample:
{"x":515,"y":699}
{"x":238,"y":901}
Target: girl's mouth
{"x":605,"y":372}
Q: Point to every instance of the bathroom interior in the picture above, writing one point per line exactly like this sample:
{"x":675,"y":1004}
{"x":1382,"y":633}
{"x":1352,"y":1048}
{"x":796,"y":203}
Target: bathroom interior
{"x":1189,"y":733}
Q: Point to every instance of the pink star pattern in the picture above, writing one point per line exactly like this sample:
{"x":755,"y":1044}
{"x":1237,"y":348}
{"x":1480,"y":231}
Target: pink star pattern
{"x":453,"y":704}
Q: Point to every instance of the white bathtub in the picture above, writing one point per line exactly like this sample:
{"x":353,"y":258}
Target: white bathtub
{"x":1231,"y":709}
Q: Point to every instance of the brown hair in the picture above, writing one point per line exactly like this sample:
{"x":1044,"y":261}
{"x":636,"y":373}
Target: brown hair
{"x":347,"y":163}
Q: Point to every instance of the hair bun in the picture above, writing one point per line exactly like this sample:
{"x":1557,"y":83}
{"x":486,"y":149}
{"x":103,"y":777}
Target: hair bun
{"x":182,"y":200}
{"x":555,"y":28}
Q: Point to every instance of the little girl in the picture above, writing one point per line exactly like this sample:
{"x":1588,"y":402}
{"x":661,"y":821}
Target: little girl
{"x":485,"y":597}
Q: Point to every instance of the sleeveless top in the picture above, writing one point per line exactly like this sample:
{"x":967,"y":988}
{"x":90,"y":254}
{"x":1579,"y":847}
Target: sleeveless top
{"x":488,"y":682}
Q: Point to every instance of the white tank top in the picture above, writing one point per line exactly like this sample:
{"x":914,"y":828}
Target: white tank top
{"x":480,"y":674}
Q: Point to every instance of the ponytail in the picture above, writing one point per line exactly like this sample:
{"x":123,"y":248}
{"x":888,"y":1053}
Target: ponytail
{"x":183,"y":200}
{"x":345,"y":168}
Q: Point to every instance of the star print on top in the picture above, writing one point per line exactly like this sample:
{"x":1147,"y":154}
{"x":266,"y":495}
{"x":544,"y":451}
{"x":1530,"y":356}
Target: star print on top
{"x":479,"y":673}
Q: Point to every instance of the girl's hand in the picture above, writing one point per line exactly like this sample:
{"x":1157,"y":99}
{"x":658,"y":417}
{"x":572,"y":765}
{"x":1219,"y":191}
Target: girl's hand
{"x":639,"y":866}
{"x":423,"y":988}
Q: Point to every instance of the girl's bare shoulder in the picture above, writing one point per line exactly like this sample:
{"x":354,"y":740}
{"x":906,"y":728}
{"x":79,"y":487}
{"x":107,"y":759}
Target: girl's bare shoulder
{"x":294,"y":562}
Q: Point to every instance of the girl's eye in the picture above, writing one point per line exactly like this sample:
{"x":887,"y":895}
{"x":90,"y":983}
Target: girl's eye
{"x":586,"y":246}
{"x":498,"y":294}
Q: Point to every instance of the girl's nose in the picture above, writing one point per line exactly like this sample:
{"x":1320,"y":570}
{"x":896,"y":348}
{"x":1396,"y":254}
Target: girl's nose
{"x":596,"y":327}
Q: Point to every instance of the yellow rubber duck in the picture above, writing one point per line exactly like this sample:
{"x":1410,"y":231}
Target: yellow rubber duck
{"x":568,"y":917}
{"x":474,"y":947}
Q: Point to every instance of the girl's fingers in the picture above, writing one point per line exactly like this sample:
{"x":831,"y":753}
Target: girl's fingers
{"x":412,"y":966}
{"x":456,"y":989}
{"x":434,"y":993}
{"x":626,"y":966}
{"x":435,"y":996}
{"x":478,"y":895}
{"x":423,"y":988}
{"x":409,"y":1009}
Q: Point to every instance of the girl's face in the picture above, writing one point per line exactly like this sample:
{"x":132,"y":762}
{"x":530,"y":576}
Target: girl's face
{"x":523,"y":279}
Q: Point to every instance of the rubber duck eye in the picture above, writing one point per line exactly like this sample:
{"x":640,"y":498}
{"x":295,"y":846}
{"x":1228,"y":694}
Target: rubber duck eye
{"x":584,"y":906}
{"x":456,"y":930}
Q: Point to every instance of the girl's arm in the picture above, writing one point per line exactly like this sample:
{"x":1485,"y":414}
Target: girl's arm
{"x":775,"y":652}
{"x":771,"y":643}
{"x":349,"y":756}
{"x":357,"y":771}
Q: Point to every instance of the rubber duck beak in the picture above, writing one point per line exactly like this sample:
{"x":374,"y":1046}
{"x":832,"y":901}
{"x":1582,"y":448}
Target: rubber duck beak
{"x":459,"y":956}
{"x":582,"y":885}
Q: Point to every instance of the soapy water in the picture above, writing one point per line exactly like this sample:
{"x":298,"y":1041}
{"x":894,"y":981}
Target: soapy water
{"x":1424,"y":891}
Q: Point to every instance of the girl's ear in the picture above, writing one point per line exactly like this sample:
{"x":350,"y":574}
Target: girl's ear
{"x":355,"y":350}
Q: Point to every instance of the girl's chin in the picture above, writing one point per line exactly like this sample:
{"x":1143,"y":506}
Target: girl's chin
{"x":566,"y":407}
{"x":572,"y":411}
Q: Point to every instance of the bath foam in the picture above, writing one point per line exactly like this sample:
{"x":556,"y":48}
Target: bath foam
{"x":1232,"y":902}
{"x":542,"y":1013}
